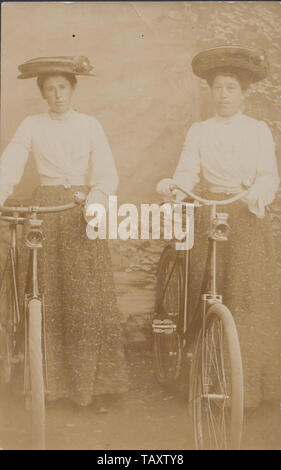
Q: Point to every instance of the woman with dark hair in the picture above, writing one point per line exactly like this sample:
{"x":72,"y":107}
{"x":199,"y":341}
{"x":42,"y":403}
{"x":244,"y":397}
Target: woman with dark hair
{"x":84,"y":344}
{"x":42,"y":77}
{"x":227,"y":153}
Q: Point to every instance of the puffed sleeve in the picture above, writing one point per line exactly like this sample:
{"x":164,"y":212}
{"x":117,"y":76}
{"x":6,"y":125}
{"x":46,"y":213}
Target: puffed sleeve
{"x":13,"y":159}
{"x":188,"y":169}
{"x":103,"y":173}
{"x":267,"y":179}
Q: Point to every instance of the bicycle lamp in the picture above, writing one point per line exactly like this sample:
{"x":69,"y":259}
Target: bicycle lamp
{"x":34,"y":236}
{"x":220,"y":228}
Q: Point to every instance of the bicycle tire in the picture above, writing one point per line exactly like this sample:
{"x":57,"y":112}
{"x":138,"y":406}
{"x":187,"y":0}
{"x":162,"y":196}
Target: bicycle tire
{"x":217,"y":383}
{"x":167,"y":348}
{"x":7,"y":318}
{"x":36,"y":373}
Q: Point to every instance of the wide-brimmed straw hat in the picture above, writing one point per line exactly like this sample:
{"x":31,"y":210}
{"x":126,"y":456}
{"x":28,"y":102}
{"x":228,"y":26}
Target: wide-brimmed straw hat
{"x":251,"y":65}
{"x":78,"y":65}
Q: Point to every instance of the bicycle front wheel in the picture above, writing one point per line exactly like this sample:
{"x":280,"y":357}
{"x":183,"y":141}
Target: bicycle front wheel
{"x":217,"y":383}
{"x":166,"y":325}
{"x":36,"y":372}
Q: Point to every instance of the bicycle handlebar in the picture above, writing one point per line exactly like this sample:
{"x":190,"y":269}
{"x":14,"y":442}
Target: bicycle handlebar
{"x":209,"y":202}
{"x":79,"y":199}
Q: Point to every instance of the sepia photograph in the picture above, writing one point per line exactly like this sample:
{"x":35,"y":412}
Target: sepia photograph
{"x":140,"y":225}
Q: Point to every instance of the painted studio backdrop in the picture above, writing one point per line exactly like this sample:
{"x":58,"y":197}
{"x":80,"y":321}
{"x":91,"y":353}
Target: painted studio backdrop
{"x":144,"y":94}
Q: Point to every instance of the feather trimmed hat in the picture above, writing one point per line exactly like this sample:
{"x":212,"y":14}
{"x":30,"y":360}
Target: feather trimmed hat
{"x":77,"y":65}
{"x":251,"y":65}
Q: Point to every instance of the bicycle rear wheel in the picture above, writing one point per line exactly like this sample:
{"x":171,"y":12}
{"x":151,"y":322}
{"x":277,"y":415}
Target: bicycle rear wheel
{"x":217,"y":383}
{"x":36,"y":373}
{"x":7,"y":324}
{"x":166,"y":324}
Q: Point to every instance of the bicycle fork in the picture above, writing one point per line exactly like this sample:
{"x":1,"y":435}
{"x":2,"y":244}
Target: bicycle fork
{"x":34,"y":239}
{"x":218,"y":232}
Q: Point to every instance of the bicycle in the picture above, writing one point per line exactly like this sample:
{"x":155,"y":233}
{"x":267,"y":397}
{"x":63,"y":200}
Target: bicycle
{"x":22,"y":328}
{"x":207,"y":341}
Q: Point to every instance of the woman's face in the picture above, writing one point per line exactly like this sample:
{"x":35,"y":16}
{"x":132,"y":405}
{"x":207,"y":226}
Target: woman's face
{"x":57,"y":91}
{"x":227,"y":94}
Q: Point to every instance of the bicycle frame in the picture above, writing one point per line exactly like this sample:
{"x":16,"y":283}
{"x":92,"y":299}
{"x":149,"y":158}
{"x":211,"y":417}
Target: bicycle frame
{"x":218,"y":232}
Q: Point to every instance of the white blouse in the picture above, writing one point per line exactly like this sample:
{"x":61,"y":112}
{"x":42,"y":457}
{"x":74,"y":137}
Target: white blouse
{"x":71,"y":149}
{"x":231,"y":152}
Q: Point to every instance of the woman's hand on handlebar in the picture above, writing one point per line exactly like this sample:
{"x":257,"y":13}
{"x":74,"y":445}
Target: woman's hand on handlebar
{"x":164,"y":187}
{"x":168,"y":188}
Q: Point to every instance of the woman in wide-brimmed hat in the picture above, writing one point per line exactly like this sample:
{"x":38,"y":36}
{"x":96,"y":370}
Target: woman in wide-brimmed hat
{"x":84,"y":346}
{"x":231,"y":150}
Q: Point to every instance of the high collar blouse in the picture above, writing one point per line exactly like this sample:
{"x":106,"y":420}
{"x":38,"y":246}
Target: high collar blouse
{"x":70,"y":148}
{"x":229,"y":153}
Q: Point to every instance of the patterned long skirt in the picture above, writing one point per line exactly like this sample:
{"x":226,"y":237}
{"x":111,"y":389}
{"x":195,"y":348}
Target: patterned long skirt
{"x":247,"y":279}
{"x":85,"y":351}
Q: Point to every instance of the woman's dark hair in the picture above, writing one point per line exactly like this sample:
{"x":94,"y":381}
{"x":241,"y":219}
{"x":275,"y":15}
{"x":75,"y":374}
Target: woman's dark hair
{"x":69,"y":76}
{"x":243,"y":80}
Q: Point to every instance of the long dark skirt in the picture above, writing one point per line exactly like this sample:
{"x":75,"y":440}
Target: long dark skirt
{"x":85,"y":351}
{"x":247,"y":279}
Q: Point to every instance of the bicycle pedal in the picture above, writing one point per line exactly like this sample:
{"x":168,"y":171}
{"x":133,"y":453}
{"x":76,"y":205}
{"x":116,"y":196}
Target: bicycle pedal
{"x":215,"y":396}
{"x":163,"y":326}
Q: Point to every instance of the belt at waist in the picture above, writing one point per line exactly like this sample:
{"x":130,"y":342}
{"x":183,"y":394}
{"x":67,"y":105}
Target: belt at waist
{"x":213,"y":188}
{"x":66,"y":181}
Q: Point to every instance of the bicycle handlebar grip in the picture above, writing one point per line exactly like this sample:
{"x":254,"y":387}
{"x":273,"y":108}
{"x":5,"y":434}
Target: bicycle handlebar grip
{"x":79,"y":197}
{"x":172,"y":187}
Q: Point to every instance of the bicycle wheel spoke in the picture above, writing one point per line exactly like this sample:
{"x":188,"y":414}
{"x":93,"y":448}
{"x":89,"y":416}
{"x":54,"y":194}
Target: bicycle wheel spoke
{"x":222,"y":356}
{"x":211,"y":427}
{"x":212,"y":363}
{"x":217,"y":360}
{"x":216,"y":425}
{"x":167,"y":343}
{"x":7,"y":315}
{"x":214,"y":356}
{"x":210,"y":355}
